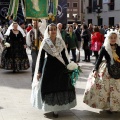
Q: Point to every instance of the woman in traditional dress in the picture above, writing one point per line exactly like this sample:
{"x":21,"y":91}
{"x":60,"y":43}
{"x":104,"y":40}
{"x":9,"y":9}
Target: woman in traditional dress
{"x":103,"y":86}
{"x":52,"y":89}
{"x":14,"y":56}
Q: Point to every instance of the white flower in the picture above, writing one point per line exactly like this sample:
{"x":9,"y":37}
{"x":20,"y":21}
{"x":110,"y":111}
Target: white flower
{"x":72,"y":66}
{"x":7,"y":44}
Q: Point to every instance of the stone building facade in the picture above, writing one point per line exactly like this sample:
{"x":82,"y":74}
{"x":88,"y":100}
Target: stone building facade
{"x":75,"y":11}
{"x":102,"y":12}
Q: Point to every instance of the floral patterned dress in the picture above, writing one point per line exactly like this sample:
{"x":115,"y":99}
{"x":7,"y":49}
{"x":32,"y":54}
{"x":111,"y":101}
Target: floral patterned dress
{"x":103,"y":92}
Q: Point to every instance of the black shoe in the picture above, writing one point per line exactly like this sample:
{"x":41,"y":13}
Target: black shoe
{"x":84,"y":60}
{"x":55,"y":115}
{"x":78,"y":61}
{"x":87,"y":60}
{"x":14,"y":71}
{"x":109,"y":112}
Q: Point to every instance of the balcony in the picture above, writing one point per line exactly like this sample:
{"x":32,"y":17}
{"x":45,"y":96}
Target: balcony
{"x":89,"y":9}
{"x":111,"y":5}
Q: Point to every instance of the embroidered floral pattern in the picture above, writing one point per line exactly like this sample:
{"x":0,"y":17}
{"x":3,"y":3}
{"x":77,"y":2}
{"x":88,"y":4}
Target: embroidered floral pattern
{"x":103,"y":92}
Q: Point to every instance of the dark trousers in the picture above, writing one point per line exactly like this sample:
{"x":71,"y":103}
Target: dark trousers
{"x":73,"y":53}
{"x":34,"y":54}
{"x":87,"y":54}
{"x":96,"y":55}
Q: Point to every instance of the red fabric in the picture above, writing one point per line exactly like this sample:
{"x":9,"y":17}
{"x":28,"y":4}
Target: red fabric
{"x":28,"y":28}
{"x":97,"y":40}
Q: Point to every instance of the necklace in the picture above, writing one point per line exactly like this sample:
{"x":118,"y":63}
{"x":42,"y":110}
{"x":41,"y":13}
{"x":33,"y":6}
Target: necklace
{"x":15,"y":30}
{"x":113,"y":46}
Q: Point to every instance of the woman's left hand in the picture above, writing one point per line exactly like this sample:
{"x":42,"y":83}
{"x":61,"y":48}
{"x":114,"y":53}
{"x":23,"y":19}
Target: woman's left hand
{"x":25,"y":46}
{"x":38,"y":76}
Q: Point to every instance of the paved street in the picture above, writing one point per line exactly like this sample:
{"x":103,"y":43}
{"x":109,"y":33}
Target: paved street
{"x":15,"y":90}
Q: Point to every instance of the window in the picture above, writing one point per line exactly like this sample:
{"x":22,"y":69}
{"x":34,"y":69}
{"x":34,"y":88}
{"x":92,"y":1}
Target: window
{"x":89,"y":21}
{"x":111,"y":21}
{"x":94,"y":5}
{"x":100,"y":21}
{"x":68,"y":15}
{"x":111,"y":4}
{"x":100,"y":3}
{"x":89,"y":8}
{"x":90,"y":3}
{"x":81,"y":6}
{"x":75,"y":5}
{"x":68,"y":4}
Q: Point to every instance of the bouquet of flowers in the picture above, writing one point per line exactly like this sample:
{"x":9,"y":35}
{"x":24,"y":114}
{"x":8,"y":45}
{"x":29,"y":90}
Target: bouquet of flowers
{"x":74,"y":71}
{"x":7,"y":44}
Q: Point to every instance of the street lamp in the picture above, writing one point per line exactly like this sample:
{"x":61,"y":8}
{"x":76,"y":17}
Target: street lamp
{"x":98,"y":11}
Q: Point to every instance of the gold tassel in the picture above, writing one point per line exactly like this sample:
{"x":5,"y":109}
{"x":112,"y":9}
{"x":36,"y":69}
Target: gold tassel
{"x":115,"y":56}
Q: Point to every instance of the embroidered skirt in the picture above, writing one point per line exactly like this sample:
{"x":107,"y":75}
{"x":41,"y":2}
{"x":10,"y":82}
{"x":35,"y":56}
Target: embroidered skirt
{"x":55,"y":91}
{"x":103,"y":92}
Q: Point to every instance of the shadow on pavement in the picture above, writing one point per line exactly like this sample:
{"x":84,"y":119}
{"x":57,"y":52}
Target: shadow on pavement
{"x":11,"y":72}
{"x":49,"y":115}
{"x":86,"y":67}
{"x":21,"y":79}
{"x":1,"y":108}
{"x":91,"y":115}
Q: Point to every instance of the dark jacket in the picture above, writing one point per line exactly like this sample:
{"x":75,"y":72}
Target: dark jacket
{"x":86,"y":38}
{"x":104,"y":53}
{"x":64,"y":36}
{"x":72,"y":42}
{"x":78,"y":33}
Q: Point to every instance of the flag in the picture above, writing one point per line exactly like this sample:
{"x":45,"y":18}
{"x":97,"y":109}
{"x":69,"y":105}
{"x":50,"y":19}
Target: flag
{"x":36,"y":9}
{"x":55,"y":3}
{"x":10,"y":8}
{"x":23,"y":7}
{"x":13,"y":8}
{"x":52,"y":6}
{"x":62,"y":11}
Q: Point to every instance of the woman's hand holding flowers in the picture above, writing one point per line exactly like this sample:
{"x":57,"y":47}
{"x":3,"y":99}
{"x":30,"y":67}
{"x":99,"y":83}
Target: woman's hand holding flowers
{"x":74,"y":71}
{"x":7,"y":44}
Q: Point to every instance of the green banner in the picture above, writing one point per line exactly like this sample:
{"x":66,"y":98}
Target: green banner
{"x":36,"y":9}
{"x":55,"y":4}
{"x":52,"y":7}
{"x":10,"y":8}
{"x":15,"y":9}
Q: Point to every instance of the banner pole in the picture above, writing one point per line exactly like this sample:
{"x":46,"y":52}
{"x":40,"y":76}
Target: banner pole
{"x":37,"y":41}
